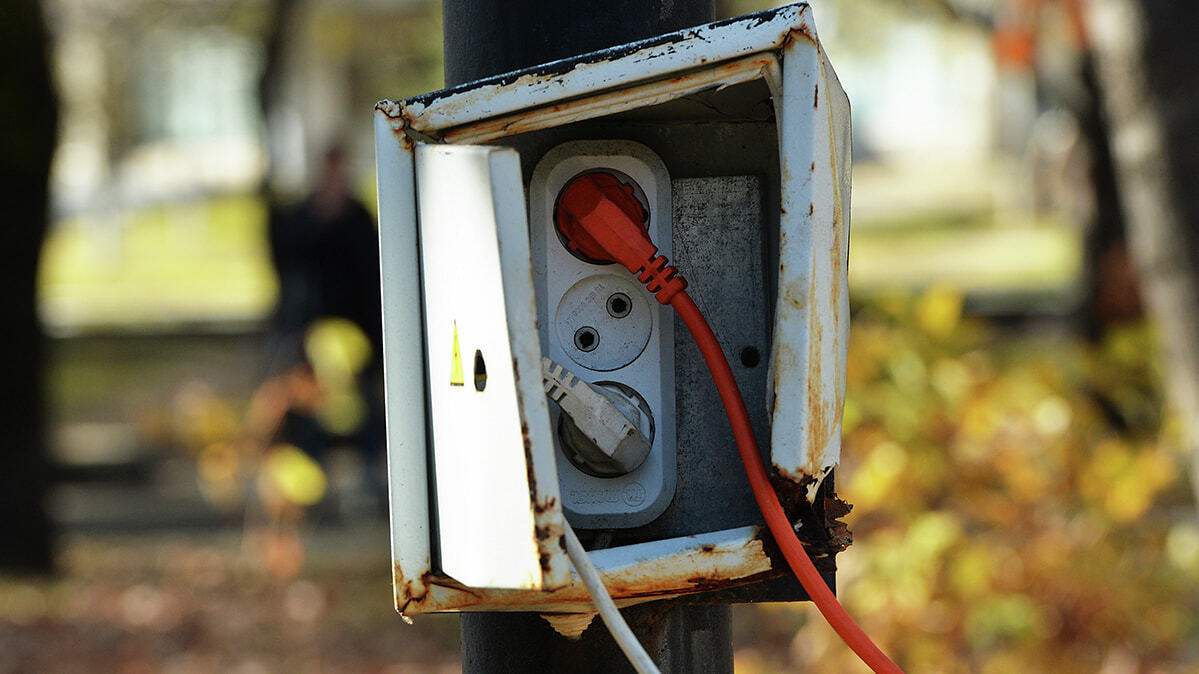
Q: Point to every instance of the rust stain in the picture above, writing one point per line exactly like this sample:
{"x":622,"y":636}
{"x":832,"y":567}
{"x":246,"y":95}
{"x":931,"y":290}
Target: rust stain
{"x":400,"y":131}
{"x":399,"y":121}
{"x":390,"y":109}
{"x":823,"y":413}
{"x":817,"y":522}
{"x":528,"y":446}
{"x":547,"y":534}
{"x":655,"y":576}
{"x":542,"y":506}
{"x":527,"y":443}
{"x":794,"y":295}
{"x":837,"y":257}
{"x":817,"y":415}
{"x":816,"y":96}
{"x":811,"y":209}
{"x":838,"y":262}
{"x":723,"y":566}
{"x":454,"y":105}
{"x":564,"y":112}
{"x":705,"y":584}
{"x":793,"y":292}
{"x":801,"y":32}
{"x":818,"y":429}
{"x":409,"y":591}
{"x":840,"y":537}
{"x":784,"y":367}
{"x":450,"y":583}
{"x":739,"y":65}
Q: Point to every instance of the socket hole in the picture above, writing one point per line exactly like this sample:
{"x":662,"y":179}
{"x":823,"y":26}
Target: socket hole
{"x":480,"y":371}
{"x":619,"y":305}
{"x":586,"y":339}
{"x":750,"y":357}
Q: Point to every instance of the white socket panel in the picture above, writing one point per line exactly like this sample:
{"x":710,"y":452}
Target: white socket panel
{"x":636,"y":350}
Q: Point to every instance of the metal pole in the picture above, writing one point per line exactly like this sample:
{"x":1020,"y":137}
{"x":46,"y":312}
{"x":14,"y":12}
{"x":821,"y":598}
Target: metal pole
{"x":489,"y":37}
{"x":680,"y":638}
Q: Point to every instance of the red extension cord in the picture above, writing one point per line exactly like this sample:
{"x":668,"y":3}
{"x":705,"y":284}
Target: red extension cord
{"x":768,"y":503}
{"x":599,"y":217}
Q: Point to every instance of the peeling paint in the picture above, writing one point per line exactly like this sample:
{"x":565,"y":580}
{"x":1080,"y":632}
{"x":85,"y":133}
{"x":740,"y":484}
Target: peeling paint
{"x":811,"y":503}
{"x":808,"y":376}
{"x":656,"y":58}
{"x":651,"y":93}
{"x":391,"y":109}
{"x":632,"y":574}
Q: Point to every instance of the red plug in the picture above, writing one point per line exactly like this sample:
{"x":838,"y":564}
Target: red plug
{"x":600,"y":218}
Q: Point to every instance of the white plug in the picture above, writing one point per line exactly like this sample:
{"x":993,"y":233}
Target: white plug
{"x":606,"y":431}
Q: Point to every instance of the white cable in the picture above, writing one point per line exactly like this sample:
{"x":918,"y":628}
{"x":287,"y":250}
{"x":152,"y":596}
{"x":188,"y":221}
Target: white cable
{"x":607,"y":609}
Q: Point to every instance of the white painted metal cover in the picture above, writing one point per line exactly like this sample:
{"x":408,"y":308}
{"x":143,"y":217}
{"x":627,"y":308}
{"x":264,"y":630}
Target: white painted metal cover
{"x":481,"y":337}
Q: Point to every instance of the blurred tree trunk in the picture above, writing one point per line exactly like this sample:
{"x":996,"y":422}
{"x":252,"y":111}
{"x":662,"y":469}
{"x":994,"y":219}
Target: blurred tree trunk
{"x":1110,"y":294}
{"x":281,"y":16}
{"x":1149,"y":73}
{"x":28,"y":131}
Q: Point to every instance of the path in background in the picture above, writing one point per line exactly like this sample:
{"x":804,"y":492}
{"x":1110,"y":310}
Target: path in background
{"x":174,"y":602}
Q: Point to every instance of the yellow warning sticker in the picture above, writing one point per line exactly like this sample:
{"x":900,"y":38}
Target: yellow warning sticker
{"x":456,"y":363}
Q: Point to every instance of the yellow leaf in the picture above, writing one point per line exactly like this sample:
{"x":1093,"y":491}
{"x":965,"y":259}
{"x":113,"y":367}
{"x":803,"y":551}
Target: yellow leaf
{"x":295,"y":475}
{"x":939,"y":310}
{"x":337,"y":349}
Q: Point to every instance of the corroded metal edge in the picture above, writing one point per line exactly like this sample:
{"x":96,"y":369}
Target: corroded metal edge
{"x":403,"y":355}
{"x":657,"y":58}
{"x":632,"y":574}
{"x":812,"y":309}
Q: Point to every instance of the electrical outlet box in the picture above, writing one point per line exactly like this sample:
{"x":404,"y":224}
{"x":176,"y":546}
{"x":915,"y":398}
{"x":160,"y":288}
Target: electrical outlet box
{"x":629,"y":336}
{"x":735,"y":139}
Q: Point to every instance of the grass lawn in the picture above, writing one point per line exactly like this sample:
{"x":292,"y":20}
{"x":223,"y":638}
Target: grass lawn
{"x":205,"y":261}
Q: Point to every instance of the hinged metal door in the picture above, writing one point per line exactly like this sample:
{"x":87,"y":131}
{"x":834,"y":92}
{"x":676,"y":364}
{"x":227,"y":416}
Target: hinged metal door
{"x":495,"y":484}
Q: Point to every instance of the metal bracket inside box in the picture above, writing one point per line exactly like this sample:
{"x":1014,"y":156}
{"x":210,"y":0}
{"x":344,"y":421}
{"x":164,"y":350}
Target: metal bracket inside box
{"x":810,"y":331}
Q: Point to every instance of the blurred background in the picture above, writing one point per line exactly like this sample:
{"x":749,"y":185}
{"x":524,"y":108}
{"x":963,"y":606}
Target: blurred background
{"x":1024,"y":305}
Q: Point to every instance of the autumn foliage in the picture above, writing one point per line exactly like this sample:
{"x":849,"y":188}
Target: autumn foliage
{"x":1021,"y":503}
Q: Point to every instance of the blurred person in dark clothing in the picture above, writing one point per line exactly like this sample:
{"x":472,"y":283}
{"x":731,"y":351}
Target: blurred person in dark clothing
{"x":326,"y":253}
{"x":323,"y":384}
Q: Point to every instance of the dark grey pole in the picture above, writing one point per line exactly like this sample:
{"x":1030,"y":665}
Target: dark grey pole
{"x":489,"y":37}
{"x":679,"y":638}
